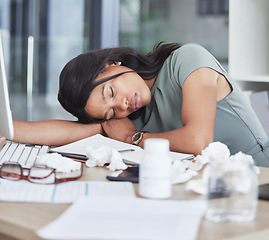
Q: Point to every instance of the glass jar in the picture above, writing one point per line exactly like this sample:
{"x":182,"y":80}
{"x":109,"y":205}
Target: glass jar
{"x":232,"y":192}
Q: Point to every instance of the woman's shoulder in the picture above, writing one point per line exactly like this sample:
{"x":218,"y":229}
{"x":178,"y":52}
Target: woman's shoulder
{"x":191,"y":48}
{"x":188,"y":58}
{"x":193,"y":54}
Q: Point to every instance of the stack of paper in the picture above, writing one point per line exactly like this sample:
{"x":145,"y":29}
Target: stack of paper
{"x":132,"y":218}
{"x":128,"y":151}
{"x":24,"y":191}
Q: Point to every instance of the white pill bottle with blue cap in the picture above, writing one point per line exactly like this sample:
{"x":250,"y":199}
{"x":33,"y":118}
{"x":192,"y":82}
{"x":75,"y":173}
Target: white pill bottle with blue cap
{"x":155,"y":169}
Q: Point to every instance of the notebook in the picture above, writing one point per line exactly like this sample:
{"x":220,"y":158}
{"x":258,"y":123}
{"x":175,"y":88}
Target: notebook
{"x":25,"y":154}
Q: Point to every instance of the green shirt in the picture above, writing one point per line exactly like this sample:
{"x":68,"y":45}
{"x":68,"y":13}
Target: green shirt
{"x":236,"y":124}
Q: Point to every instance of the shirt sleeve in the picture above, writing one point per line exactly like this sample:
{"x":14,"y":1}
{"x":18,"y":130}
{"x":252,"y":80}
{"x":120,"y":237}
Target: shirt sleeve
{"x":189,"y":58}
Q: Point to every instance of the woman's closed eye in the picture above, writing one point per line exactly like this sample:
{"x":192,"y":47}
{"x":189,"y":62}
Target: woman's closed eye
{"x":112,"y":92}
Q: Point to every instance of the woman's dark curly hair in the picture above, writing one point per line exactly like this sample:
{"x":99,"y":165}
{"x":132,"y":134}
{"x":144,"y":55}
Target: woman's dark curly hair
{"x":78,"y":75}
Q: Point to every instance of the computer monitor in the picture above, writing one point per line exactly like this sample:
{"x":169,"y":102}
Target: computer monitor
{"x":6,"y":124}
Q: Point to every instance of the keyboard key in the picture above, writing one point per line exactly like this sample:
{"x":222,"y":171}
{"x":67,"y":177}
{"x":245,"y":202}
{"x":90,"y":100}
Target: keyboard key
{"x":3,"y":151}
{"x":43,"y":150}
{"x":24,"y":156}
{"x":32,"y":157}
{"x":10,"y":151}
{"x":17,"y":153}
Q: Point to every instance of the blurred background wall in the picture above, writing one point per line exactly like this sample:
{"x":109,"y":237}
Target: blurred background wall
{"x":62,"y":29}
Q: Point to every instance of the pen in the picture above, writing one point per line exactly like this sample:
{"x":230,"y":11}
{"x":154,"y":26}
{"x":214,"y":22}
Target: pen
{"x":188,"y":158}
{"x":126,"y":150}
{"x":73,"y":155}
{"x":84,"y":157}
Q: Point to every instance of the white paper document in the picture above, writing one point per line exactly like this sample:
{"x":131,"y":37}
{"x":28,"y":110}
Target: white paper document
{"x":24,"y":191}
{"x":120,"y":219}
{"x":79,"y":147}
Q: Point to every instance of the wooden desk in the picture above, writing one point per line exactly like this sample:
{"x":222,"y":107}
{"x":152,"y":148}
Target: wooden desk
{"x":21,"y":220}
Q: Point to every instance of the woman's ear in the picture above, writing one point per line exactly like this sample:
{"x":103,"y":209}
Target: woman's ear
{"x":112,"y":63}
{"x":109,"y":64}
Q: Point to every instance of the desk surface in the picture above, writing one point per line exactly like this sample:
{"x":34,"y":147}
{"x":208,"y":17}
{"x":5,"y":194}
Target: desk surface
{"x":21,"y":220}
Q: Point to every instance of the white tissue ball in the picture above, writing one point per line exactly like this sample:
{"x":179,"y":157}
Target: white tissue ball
{"x":217,"y":152}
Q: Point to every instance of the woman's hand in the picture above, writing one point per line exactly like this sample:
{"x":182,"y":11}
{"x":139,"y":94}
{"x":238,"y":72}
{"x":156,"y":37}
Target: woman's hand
{"x":119,"y":129}
{"x":2,"y":139}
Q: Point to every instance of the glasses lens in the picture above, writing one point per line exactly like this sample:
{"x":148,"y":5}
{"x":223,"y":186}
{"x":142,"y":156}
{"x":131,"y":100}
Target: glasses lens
{"x":11,"y":171}
{"x":73,"y":174}
{"x":42,"y":175}
{"x":68,"y":176}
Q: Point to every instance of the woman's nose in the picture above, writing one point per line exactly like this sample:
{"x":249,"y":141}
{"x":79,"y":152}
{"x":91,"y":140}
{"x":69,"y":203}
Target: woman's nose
{"x":123,"y":104}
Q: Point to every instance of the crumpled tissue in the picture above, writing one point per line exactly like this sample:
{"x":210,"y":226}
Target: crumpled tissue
{"x":218,"y":154}
{"x":181,"y":173}
{"x":60,"y":163}
{"x":184,"y":170}
{"x":103,"y":155}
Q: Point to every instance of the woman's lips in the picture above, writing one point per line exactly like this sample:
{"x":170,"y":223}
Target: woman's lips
{"x":136,"y":102}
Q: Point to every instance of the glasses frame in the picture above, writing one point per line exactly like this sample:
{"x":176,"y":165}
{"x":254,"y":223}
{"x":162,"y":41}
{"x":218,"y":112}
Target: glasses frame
{"x":22,"y":176}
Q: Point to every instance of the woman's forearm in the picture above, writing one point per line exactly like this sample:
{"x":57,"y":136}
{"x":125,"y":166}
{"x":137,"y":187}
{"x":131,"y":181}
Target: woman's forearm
{"x":183,"y":140}
{"x":53,"y":132}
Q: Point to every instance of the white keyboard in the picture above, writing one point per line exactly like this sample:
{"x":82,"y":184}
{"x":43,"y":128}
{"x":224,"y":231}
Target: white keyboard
{"x":24,"y":154}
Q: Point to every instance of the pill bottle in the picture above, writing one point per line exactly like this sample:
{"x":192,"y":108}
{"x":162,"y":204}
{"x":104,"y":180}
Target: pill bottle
{"x":155,"y":169}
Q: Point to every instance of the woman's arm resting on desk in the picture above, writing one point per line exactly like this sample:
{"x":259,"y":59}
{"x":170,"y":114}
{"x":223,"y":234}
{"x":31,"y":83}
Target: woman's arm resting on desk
{"x":53,"y":132}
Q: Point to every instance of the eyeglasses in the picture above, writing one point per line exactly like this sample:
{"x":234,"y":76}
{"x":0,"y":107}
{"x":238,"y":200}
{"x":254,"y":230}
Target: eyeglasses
{"x":39,"y":174}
